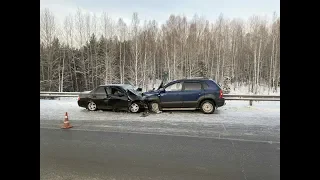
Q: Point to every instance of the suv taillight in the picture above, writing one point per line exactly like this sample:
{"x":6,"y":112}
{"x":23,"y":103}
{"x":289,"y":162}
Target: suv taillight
{"x":221,"y":94}
{"x":78,"y":98}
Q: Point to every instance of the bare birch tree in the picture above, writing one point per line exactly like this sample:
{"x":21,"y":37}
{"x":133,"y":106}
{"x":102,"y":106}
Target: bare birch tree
{"x":91,"y":53}
{"x":135,"y":46}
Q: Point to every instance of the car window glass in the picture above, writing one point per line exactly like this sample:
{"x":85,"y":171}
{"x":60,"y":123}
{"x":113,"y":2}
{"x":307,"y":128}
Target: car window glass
{"x":100,"y":90}
{"x":109,"y":91}
{"x":174,"y":87}
{"x":205,"y":85}
{"x":191,"y":86}
{"x":115,"y":91}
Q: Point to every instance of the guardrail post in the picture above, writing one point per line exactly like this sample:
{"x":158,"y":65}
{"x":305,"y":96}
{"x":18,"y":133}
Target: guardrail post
{"x":250,"y":102}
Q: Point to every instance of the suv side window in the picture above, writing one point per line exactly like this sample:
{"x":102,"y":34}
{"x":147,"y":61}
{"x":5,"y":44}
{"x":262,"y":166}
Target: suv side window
{"x":192,"y":86}
{"x":174,"y":87}
{"x":205,"y":85}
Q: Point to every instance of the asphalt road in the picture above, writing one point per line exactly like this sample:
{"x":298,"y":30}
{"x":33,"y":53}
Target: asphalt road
{"x":85,"y":154}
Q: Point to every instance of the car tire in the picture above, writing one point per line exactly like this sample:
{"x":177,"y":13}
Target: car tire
{"x":134,"y":107}
{"x":154,"y":106}
{"x":207,"y":107}
{"x":92,"y":106}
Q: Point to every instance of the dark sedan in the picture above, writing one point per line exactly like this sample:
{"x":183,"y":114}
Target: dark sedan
{"x":113,"y":97}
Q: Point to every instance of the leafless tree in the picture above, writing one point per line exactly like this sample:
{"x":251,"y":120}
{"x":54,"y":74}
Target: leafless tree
{"x":91,"y":53}
{"x":135,"y":46}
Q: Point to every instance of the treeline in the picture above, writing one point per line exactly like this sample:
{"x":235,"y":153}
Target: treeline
{"x":85,"y":51}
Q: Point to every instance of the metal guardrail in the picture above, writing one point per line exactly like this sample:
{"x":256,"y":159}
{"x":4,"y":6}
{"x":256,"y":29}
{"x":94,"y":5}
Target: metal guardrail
{"x":228,"y":97}
{"x":59,"y":94}
{"x":67,"y":93}
{"x":250,"y":96}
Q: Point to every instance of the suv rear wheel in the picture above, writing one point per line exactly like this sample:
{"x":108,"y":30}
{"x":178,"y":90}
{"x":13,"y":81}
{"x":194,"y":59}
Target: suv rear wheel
{"x":207,"y":107}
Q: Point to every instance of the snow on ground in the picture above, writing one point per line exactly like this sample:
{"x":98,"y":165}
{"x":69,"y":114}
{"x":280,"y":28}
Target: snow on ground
{"x":234,"y":112}
{"x":261,"y":90}
{"x":235,"y":120}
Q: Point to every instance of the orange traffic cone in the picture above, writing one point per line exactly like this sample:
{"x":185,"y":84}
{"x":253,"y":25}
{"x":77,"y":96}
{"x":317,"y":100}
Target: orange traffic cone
{"x":66,"y":124}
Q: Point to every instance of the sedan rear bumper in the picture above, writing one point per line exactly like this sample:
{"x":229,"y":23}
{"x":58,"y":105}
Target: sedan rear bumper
{"x":82,"y":104}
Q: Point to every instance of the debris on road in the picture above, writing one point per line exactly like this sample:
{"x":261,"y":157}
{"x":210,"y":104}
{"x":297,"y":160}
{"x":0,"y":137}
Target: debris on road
{"x":144,"y":114}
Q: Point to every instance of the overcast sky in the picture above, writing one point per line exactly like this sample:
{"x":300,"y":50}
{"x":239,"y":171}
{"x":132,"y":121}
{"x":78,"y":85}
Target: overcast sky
{"x":160,"y":10}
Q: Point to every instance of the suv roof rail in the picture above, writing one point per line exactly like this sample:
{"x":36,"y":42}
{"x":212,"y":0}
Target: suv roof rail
{"x":191,"y":78}
{"x":197,"y":78}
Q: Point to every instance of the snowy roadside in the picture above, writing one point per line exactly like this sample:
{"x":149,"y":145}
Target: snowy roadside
{"x":261,"y":90}
{"x":261,"y":113}
{"x":236,"y":120}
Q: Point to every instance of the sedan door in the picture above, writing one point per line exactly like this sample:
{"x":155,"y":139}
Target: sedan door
{"x":171,"y":96}
{"x":117,"y":98}
{"x":99,"y":97}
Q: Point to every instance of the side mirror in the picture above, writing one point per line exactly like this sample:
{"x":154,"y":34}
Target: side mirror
{"x":162,"y":90}
{"x":139,"y":89}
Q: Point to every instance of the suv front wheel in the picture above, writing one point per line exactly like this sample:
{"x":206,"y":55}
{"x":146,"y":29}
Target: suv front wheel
{"x":207,"y":107}
{"x":155,"y":107}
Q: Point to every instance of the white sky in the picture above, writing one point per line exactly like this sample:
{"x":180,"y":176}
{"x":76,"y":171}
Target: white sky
{"x":160,"y":10}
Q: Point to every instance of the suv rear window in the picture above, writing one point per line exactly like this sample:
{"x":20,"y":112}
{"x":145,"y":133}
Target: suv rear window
{"x":191,"y":86}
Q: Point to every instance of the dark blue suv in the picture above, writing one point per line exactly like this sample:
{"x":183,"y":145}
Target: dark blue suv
{"x":204,"y":94}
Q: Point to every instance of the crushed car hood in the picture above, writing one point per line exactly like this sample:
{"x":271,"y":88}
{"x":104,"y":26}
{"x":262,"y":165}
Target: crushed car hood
{"x":153,"y":92}
{"x":161,"y":85}
{"x":134,"y":95}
